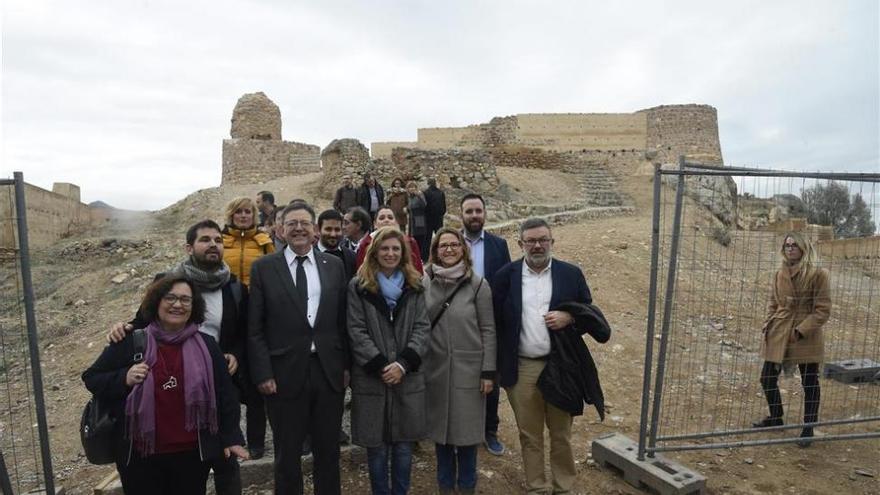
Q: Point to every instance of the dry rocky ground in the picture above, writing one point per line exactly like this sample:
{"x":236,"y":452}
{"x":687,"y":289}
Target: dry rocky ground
{"x":77,"y":300}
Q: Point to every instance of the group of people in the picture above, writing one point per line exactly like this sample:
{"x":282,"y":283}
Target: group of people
{"x":417,"y":213}
{"x":283,"y":310}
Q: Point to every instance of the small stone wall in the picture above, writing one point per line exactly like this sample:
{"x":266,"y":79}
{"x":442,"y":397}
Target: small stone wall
{"x":689,"y":130}
{"x":50,"y":216}
{"x":860,"y":248}
{"x":343,"y":157}
{"x":383,"y":149}
{"x":458,"y":169}
{"x":256,"y":152}
{"x":251,"y":161}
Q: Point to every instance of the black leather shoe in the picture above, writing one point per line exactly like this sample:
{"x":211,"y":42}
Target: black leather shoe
{"x":768,"y":422}
{"x":805,"y":441}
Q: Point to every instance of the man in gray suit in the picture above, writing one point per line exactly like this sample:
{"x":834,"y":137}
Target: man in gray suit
{"x":298,"y":351}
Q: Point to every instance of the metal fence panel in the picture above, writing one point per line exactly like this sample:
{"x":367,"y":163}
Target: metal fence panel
{"x":24,"y":438}
{"x":717,"y":239}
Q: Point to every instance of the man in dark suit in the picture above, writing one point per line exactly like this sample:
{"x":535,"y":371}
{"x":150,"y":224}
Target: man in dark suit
{"x":298,"y":351}
{"x":435,"y":206}
{"x":488,"y":253}
{"x":371,"y":195}
{"x":525,"y":294}
{"x":330,"y":240}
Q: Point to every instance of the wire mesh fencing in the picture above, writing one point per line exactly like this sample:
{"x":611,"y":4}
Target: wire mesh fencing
{"x":25,"y":461}
{"x":715,"y":365}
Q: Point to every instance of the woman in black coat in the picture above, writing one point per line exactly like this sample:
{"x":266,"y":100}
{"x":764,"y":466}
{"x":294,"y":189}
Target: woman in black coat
{"x":175,"y":409}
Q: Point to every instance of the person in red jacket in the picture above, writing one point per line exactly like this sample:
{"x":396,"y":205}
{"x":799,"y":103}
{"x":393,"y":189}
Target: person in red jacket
{"x":385,"y":218}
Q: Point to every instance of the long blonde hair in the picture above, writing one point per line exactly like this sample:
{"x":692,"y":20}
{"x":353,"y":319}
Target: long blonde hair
{"x":808,"y":260}
{"x":369,"y":271}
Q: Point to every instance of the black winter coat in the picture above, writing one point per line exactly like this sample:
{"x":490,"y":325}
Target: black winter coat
{"x":105,"y":379}
{"x":570,"y":377}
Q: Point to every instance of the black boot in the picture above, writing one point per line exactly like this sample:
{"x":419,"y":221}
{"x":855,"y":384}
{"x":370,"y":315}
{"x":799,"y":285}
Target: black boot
{"x":805,"y":439}
{"x":767,"y":422}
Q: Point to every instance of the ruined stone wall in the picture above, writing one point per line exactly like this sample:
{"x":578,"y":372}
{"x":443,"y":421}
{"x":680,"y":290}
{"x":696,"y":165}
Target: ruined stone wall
{"x":433,"y":138}
{"x":660,"y":134}
{"x":458,"y":169}
{"x":256,"y":152}
{"x":383,"y":149}
{"x":50,"y":216}
{"x":250,"y":161}
{"x":689,"y":130}
{"x":582,"y":131}
{"x":255,"y":116}
{"x":860,"y":248}
{"x":341,"y":157}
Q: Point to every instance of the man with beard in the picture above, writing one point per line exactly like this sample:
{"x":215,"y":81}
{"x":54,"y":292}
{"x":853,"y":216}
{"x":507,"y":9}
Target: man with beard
{"x":330,"y":240}
{"x":488,"y":253}
{"x":226,"y":302}
{"x":526,"y":294}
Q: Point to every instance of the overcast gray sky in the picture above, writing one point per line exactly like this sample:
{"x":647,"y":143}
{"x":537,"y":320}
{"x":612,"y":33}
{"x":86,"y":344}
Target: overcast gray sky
{"x":131,"y":99}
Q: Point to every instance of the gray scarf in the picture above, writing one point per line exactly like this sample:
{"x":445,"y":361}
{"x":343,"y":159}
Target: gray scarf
{"x":203,"y":279}
{"x":449,"y":274}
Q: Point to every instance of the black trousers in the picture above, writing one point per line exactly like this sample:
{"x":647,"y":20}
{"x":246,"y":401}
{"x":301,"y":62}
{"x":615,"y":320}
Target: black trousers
{"x":255,"y":416}
{"x":810,"y":381}
{"x":227,"y":475}
{"x":492,"y":410}
{"x":161,"y":474}
{"x":316,"y":411}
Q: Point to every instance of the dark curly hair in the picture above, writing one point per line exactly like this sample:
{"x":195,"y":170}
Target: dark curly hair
{"x":157,"y":290}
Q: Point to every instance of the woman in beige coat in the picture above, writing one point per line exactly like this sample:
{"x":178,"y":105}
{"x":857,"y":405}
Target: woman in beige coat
{"x":798,"y":306}
{"x":460,"y":363}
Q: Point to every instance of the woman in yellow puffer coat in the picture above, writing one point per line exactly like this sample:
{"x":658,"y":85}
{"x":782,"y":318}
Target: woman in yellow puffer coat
{"x":242,"y":242}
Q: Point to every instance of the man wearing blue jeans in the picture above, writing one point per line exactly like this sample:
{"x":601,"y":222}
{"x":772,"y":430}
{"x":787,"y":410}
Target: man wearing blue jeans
{"x":488,"y":253}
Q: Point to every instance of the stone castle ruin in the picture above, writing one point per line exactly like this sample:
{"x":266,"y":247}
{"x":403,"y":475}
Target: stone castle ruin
{"x":597,"y":147}
{"x":658,"y":134}
{"x":255,"y":151}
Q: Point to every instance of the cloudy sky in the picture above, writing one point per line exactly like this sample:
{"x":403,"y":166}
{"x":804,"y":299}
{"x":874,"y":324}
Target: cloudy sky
{"x":131,"y":99}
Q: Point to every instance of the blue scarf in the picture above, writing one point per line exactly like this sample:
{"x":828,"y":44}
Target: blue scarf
{"x":391,"y":288}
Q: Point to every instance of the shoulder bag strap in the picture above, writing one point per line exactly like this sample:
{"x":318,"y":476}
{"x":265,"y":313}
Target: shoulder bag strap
{"x":447,"y":302}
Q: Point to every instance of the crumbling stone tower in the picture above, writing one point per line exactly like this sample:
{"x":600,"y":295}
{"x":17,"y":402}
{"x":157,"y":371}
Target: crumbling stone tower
{"x":256,"y":153}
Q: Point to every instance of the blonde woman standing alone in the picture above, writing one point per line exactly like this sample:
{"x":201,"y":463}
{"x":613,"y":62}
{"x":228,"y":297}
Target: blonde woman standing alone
{"x":798,"y":307}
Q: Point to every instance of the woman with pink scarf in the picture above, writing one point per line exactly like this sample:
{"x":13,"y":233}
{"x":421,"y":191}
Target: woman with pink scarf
{"x":174,"y":406}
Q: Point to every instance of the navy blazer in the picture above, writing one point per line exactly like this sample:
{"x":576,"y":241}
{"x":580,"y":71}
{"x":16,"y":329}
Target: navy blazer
{"x":495,"y":254}
{"x":569,"y":285}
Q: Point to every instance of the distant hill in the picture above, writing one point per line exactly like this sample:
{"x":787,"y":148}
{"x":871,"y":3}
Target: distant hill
{"x":101,"y":204}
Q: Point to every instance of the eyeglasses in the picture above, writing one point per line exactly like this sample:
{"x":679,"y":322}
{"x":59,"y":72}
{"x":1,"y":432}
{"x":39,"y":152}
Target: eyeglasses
{"x":790,"y":246}
{"x":534,"y":242}
{"x":172,"y":299}
{"x":298,"y":223}
{"x":451,"y":245}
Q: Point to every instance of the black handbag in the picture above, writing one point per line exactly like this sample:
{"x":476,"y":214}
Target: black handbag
{"x":96,"y":426}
